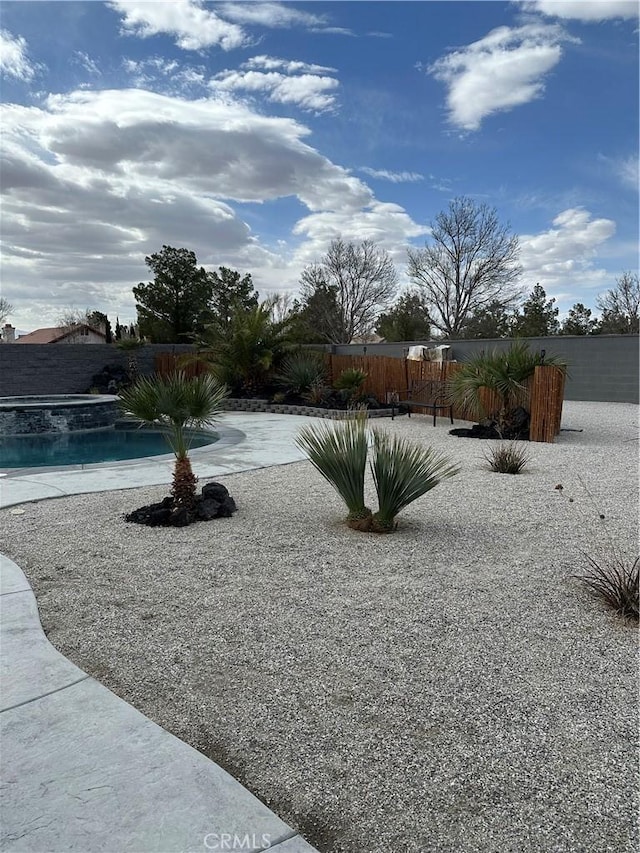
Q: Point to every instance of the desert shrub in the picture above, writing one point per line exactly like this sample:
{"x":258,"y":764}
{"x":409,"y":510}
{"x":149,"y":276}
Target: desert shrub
{"x":508,"y":458}
{"x":402,"y":471}
{"x":318,"y":394}
{"x":616,"y":583}
{"x":350,"y":381}
{"x":302,"y":371}
{"x":339,"y":453}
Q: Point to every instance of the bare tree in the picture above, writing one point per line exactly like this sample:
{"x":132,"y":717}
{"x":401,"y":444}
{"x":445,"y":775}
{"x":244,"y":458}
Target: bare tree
{"x":620,"y":306}
{"x":6,"y":308}
{"x":356,"y":282}
{"x":470,"y":263}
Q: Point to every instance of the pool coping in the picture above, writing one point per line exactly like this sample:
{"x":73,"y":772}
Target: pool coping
{"x":227,"y":437}
{"x":108,"y":777}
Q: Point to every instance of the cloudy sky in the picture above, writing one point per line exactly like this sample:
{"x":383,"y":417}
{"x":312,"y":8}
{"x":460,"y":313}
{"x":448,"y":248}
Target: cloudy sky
{"x":255,"y":133}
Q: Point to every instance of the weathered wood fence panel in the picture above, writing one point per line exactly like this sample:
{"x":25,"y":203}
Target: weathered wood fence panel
{"x":165,"y":363}
{"x":387,"y":375}
{"x":545,"y":405}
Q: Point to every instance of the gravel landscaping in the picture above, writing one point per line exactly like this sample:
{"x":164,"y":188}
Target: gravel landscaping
{"x":448,"y":688}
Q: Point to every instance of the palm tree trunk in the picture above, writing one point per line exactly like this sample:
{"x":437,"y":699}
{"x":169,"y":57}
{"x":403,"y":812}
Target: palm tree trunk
{"x":184,"y":483}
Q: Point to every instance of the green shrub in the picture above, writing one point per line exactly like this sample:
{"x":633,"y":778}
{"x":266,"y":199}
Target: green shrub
{"x":351,"y":381}
{"x":402,"y":471}
{"x":508,"y":458}
{"x":339,"y":452}
{"x":616,"y":583}
{"x":302,"y":371}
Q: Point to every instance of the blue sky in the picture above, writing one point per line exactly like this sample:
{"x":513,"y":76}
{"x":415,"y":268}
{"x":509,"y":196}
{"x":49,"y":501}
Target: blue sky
{"x":255,"y":133}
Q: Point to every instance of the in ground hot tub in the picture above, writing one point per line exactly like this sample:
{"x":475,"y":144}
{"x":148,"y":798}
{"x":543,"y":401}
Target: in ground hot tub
{"x":57,"y":413}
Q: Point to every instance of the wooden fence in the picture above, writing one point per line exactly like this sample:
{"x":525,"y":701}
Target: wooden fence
{"x":387,"y":376}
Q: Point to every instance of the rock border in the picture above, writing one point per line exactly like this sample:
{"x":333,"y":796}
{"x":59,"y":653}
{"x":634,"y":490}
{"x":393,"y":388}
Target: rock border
{"x":249,"y":404}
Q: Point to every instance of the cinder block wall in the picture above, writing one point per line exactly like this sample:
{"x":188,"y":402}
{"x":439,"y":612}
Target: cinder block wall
{"x":66,"y":368}
{"x":601,"y":368}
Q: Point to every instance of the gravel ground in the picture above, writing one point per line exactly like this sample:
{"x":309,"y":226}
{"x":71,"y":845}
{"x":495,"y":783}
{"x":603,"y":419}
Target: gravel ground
{"x":451,"y":687}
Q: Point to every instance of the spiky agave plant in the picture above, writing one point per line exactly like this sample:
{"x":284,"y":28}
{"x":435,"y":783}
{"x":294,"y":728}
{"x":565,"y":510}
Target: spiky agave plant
{"x":402,"y":472}
{"x":339,"y":452}
{"x":176,"y":403}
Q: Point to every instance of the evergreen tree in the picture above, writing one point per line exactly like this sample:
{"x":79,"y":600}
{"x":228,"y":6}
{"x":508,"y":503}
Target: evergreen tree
{"x":230,"y":292}
{"x":539,"y":318}
{"x":176,"y":305}
{"x":408,"y":319}
{"x":491,"y":322}
{"x":579,"y":321}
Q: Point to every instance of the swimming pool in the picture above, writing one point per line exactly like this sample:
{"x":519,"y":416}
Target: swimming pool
{"x":57,"y":449}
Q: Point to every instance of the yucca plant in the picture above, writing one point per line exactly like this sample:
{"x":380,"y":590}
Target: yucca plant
{"x":508,"y":458}
{"x":339,"y":452}
{"x":616,"y":583}
{"x":502,"y":372}
{"x":301,"y":372}
{"x":175,"y":403}
{"x":402,"y":472}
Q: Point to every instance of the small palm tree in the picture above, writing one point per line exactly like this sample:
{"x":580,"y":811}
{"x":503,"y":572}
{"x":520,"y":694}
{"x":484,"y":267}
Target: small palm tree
{"x":176,"y":403}
{"x":502,"y":372}
{"x":339,"y":452}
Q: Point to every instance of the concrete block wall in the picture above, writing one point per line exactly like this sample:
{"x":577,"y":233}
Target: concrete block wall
{"x":66,"y":368}
{"x":601,"y":367}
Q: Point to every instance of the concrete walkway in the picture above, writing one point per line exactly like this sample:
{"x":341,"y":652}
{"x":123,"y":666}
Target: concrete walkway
{"x":81,"y":769}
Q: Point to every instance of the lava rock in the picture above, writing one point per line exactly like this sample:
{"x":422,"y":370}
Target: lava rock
{"x":214,"y":491}
{"x":214,"y":502}
{"x":208,"y":509}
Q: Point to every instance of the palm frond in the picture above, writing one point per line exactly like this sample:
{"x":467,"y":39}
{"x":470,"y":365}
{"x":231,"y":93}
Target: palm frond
{"x":402,"y":472}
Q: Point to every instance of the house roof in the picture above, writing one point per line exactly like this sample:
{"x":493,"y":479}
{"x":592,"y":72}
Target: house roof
{"x":53,"y":334}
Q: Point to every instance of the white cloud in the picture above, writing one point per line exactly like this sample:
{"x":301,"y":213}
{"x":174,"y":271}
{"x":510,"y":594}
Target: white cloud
{"x":269,"y":15}
{"x":562,"y":259}
{"x":626,"y":169}
{"x":96,"y":180}
{"x":394,"y":177}
{"x":308,"y":91}
{"x":14,"y":61}
{"x":83,"y":59}
{"x":585,"y":10}
{"x":288,"y":66}
{"x":501,"y":71}
{"x":192,"y":25}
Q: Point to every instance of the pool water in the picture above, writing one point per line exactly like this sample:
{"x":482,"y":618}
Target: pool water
{"x":84,"y":448}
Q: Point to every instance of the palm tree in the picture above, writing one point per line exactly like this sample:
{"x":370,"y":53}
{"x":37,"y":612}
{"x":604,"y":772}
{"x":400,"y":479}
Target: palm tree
{"x":176,"y":403}
{"x":252,"y":351}
{"x":501,"y":372}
